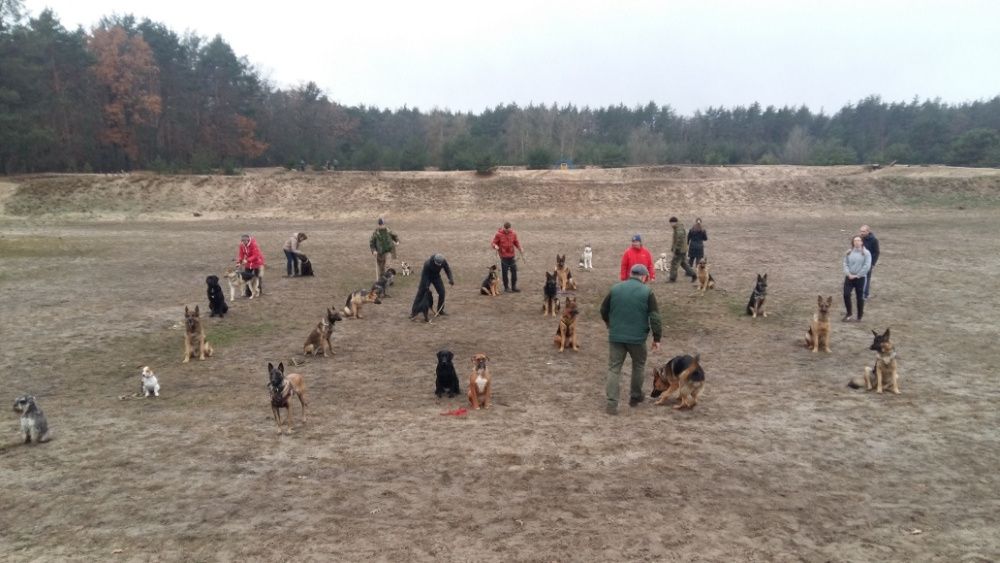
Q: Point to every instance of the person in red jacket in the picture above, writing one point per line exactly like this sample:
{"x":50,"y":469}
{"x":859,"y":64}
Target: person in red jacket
{"x":248,"y":255}
{"x":505,"y":243}
{"x":637,"y":254}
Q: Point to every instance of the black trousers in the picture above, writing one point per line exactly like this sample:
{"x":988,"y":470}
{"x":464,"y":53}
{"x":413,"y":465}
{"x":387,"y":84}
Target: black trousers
{"x":856,"y":285}
{"x":509,"y":264}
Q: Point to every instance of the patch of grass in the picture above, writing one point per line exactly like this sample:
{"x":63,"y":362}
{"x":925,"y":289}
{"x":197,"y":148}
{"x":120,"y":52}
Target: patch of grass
{"x":225,"y":334}
{"x":41,"y":247}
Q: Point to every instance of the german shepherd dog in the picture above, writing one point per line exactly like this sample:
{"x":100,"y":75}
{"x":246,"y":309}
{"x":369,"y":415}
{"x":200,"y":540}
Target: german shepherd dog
{"x":480,"y":383}
{"x":551,"y":304}
{"x":281,"y":387}
{"x":564,"y":274}
{"x":352,"y":307}
{"x":381,"y":287}
{"x":756,"y":305}
{"x":194,"y":336}
{"x":491,"y":285}
{"x":705,"y":279}
{"x":446,"y":380}
{"x":819,"y":329}
{"x":305,"y":266}
{"x":682,"y":374}
{"x":216,"y":297}
{"x":885,"y":366}
{"x":566,"y":332}
{"x":236,"y":278}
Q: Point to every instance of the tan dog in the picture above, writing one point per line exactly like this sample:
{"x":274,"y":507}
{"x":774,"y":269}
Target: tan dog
{"x":480,"y":383}
{"x":319,"y":339}
{"x":705,"y":279}
{"x":819,"y":330}
{"x":234,"y":276}
{"x":885,"y":366}
{"x":564,"y":274}
{"x":194,"y":336}
{"x":281,"y":387}
{"x":566,"y":332}
{"x":352,"y":308}
{"x":683,"y":375}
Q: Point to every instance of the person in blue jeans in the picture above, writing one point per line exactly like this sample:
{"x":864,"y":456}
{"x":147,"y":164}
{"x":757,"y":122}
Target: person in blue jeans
{"x":292,"y":254}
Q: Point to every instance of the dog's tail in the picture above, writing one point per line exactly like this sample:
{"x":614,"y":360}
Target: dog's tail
{"x":809,"y":338}
{"x":208,"y":349}
{"x":856,"y":383}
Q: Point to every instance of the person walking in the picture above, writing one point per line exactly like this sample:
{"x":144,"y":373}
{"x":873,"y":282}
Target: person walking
{"x":637,"y":254}
{"x":630,"y":312}
{"x":679,"y":247}
{"x":382,"y":243}
{"x":871,"y":243}
{"x":696,"y":238}
{"x":249,"y":257}
{"x":292,"y":254}
{"x":430,"y":275}
{"x":505,"y":243}
{"x":857,"y":262}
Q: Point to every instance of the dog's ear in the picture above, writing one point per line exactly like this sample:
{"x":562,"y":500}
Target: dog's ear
{"x":829,"y":301}
{"x":697,"y":360}
{"x":186,"y":311}
{"x":196,"y":313}
{"x":886,"y":334}
{"x":281,"y":367}
{"x":270,"y":367}
{"x":875,"y":333}
{"x":819,"y":300}
{"x":765,"y":277}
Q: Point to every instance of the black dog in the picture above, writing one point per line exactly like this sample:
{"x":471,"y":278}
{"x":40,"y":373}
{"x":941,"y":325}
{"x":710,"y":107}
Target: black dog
{"x":423,"y":304}
{"x":305,"y":266}
{"x":382,"y":285}
{"x":447,"y":379}
{"x":756,"y":305}
{"x":216,"y":298}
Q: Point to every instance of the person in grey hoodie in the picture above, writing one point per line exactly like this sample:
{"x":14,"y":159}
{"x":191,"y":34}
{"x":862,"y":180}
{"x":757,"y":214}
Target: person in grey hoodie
{"x":857,"y":263}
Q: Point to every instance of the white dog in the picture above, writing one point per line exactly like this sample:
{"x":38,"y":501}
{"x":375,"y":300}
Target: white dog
{"x":662,"y":264}
{"x":150,"y":385}
{"x":405,"y":269}
{"x":587,"y":258}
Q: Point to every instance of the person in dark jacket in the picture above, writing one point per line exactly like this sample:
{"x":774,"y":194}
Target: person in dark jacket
{"x":431,"y":275}
{"x":871,"y":243}
{"x":696,"y":243}
{"x":630,"y":312}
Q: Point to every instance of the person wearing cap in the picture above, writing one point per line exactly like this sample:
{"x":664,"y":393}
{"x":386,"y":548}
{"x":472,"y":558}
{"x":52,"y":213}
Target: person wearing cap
{"x":505,"y":243}
{"x":637,"y":254}
{"x":679,"y":248}
{"x":630,"y":312}
{"x":382,"y":243}
{"x":248,"y":256}
{"x":431,"y":275}
{"x":292,"y":254}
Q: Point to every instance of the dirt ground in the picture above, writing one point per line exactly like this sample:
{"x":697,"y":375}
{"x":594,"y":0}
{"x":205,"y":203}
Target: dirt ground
{"x":779,"y":462}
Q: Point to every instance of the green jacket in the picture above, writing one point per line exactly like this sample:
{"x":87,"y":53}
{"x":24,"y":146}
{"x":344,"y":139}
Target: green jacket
{"x":383,"y":240}
{"x":630,"y":311}
{"x":680,"y":245}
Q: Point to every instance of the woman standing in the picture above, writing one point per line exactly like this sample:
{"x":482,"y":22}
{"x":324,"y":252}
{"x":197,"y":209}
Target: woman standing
{"x":696,"y":243}
{"x":857,"y":263}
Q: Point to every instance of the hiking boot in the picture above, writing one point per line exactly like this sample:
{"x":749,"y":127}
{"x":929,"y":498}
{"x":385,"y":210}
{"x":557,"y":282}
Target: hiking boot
{"x":613,"y":411}
{"x":635,"y":402}
{"x":516,"y":290}
{"x":847,"y":318}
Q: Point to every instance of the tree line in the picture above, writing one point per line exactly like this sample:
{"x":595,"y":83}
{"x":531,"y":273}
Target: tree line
{"x":133,"y":94}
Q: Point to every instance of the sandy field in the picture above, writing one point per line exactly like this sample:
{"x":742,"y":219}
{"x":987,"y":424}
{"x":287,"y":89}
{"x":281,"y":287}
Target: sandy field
{"x":780,"y":461}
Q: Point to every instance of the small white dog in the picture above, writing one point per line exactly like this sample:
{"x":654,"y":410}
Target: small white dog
{"x":150,"y":385}
{"x":405,"y":269}
{"x":662,"y":264}
{"x":587,"y":258}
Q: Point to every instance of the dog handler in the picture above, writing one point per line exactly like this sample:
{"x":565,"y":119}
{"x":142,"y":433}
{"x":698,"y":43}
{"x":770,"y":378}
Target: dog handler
{"x":248,"y":255}
{"x":505,"y":243}
{"x":382,"y":243}
{"x":637,"y":254}
{"x":431,"y":275}
{"x":630,"y":312}
{"x":292,"y":254}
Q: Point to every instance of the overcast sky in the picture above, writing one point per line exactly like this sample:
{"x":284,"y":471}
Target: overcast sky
{"x":467,"y":55}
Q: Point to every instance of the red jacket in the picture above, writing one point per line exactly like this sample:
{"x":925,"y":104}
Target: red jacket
{"x":635,"y":256}
{"x":506,"y":242}
{"x":251,"y":253}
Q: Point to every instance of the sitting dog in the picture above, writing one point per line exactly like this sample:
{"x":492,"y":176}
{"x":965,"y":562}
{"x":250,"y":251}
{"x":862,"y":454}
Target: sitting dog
{"x":194,"y":336}
{"x":150,"y":386}
{"x":885,"y":366}
{"x":551,"y":304}
{"x":756,"y":305}
{"x":705,"y":279}
{"x":34,"y":426}
{"x":587,"y":258}
{"x":352,"y":307}
{"x":819,"y":329}
{"x":281,"y":387}
{"x":491,"y":285}
{"x":682,"y":374}
{"x":480,"y":383}
{"x":446,"y":381}
{"x":662,"y":264}
{"x":564,"y":274}
{"x":566,"y":332}
{"x":242,"y":280}
{"x":381,"y":287}
{"x":405,"y":269}
{"x":305,"y":266}
{"x":216,"y":297}
{"x":319,"y":339}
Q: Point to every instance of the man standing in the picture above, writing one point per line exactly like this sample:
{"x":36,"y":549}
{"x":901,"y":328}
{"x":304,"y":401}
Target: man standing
{"x":637,"y":254}
{"x":630,"y":312}
{"x":505,"y":243}
{"x":679,"y":248}
{"x":431,"y":275}
{"x":382,"y":243}
{"x":871,"y":243}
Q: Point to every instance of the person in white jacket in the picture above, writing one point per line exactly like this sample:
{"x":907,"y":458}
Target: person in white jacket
{"x":857,"y":263}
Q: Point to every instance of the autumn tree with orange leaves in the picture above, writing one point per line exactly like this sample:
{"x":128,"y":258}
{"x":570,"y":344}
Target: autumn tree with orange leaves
{"x":128,"y":77}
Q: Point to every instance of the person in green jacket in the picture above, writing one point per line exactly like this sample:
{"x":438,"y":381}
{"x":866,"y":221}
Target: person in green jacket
{"x":630,"y":312}
{"x":382,"y":243}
